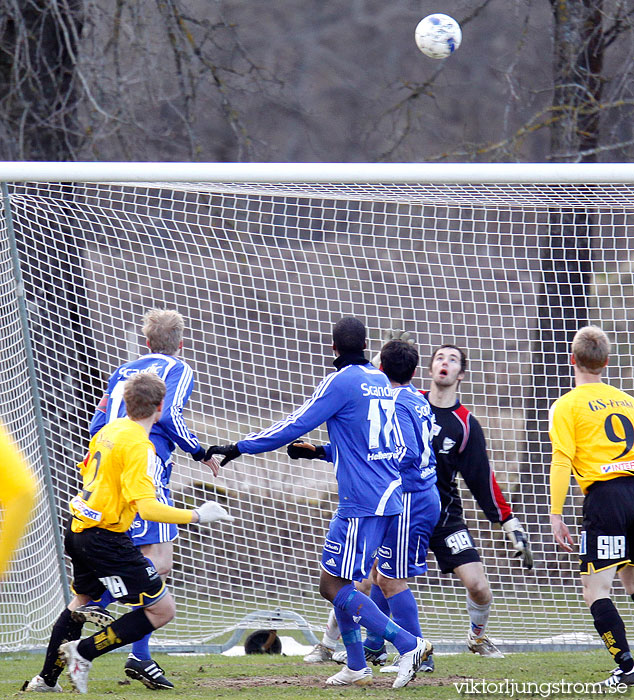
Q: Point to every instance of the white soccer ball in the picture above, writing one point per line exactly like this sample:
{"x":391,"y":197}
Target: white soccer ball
{"x":438,"y":36}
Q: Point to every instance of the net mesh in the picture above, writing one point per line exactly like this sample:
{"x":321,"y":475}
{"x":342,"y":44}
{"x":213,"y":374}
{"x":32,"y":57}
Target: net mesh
{"x":261,"y":273}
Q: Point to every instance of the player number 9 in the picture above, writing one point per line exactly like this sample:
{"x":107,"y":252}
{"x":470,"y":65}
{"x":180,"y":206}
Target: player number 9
{"x":627,"y":430}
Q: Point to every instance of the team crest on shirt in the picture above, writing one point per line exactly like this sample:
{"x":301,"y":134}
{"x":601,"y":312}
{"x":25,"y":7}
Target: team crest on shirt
{"x":447,"y":444}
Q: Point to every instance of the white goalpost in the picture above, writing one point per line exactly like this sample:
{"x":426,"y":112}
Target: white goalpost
{"x":506,"y":261}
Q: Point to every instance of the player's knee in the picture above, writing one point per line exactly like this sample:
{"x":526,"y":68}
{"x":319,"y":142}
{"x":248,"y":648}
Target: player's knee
{"x":164,"y":569}
{"x":479,"y":591}
{"x":391,"y":586}
{"x":161,"y":612}
{"x":325,"y":590}
{"x":328,"y":586}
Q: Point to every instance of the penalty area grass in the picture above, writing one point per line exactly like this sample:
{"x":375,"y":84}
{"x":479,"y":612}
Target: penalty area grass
{"x":277,"y":676}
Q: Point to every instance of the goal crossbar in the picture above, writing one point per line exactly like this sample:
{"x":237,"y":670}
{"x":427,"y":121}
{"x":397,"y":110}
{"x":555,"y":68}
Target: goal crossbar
{"x":403,"y":173}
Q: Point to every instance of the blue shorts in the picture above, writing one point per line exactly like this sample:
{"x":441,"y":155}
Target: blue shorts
{"x":404,"y":550}
{"x":351,"y":545}
{"x":146,"y":531}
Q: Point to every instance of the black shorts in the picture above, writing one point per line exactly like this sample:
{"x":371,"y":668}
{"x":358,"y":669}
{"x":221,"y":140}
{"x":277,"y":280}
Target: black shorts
{"x":453,"y":546}
{"x":607,"y":533}
{"x":103,"y":559}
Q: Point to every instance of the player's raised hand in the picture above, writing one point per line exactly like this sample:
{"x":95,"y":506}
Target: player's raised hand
{"x":561,"y":533}
{"x":211,"y":512}
{"x":229,"y":452}
{"x":388,"y":335}
{"x":519,"y":540}
{"x":304,"y":450}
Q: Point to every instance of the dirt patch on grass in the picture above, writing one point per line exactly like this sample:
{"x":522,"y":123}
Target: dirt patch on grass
{"x":380,"y":680}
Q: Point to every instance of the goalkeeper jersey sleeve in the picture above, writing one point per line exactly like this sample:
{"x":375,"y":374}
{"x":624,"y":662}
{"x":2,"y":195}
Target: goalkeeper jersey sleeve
{"x":476,"y":470}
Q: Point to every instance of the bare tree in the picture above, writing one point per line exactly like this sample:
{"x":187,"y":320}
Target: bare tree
{"x":96,"y":79}
{"x":38,"y":78}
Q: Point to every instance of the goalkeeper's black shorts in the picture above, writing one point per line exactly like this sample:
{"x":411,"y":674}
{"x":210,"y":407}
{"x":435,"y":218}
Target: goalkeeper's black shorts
{"x":607,"y":533}
{"x":453,"y":546}
{"x":104,"y":559}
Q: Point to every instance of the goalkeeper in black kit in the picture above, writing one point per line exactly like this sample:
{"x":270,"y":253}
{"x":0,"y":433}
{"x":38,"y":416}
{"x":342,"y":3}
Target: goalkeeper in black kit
{"x":460,"y":448}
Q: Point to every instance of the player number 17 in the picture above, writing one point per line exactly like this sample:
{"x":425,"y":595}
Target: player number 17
{"x":377,"y":408}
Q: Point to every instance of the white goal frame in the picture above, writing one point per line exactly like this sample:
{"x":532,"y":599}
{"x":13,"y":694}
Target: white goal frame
{"x":510,"y":209}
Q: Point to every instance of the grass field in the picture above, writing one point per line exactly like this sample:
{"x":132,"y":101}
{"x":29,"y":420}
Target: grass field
{"x":271,"y":677}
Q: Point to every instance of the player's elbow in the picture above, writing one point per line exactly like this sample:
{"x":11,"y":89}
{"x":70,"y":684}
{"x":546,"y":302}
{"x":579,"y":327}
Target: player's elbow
{"x":145,"y":509}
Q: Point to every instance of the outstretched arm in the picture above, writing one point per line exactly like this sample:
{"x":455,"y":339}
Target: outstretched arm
{"x":474,"y":465}
{"x":476,"y":470}
{"x":324,"y":402}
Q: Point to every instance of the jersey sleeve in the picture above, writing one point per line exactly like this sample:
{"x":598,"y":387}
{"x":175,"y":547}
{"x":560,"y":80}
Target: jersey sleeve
{"x":99,"y":419}
{"x":179,"y":384}
{"x":325,"y":402}
{"x":562,"y":429}
{"x":473,"y":464}
{"x":406,"y":436}
{"x":560,"y":471}
{"x":136,"y":483}
{"x":151,"y":509}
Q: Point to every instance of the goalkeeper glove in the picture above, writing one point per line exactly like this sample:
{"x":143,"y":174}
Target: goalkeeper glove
{"x":211,"y":511}
{"x":519,"y":540}
{"x":299,"y":449}
{"x":229,"y":451}
{"x":388,"y":335}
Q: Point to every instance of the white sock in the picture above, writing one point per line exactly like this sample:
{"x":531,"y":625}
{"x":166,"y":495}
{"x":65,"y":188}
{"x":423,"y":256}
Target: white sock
{"x":332,"y":634}
{"x":479,"y":616}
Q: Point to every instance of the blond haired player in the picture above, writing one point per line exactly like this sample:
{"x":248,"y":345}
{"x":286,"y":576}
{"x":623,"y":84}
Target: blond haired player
{"x":163,"y":330}
{"x":17,"y":496}
{"x":115,"y":486}
{"x":592,"y":435}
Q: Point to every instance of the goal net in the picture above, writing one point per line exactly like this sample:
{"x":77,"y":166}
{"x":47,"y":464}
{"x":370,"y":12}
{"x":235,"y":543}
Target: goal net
{"x":261,"y":271}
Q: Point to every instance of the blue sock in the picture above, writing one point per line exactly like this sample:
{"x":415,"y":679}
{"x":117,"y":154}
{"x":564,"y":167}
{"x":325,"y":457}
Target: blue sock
{"x":404,"y":611}
{"x":141,"y":648}
{"x":359,"y":606}
{"x":372,"y":641}
{"x":351,"y":637}
{"x":105,"y":600}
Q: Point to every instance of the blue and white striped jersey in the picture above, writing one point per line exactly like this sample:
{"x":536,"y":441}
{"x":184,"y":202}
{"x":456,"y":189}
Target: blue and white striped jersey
{"x":357,"y":405}
{"x":171,"y":429}
{"x":416,"y":423}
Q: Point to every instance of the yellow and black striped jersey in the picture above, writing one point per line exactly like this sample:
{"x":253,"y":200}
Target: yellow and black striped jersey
{"x":593,"y":425}
{"x":116,"y":474}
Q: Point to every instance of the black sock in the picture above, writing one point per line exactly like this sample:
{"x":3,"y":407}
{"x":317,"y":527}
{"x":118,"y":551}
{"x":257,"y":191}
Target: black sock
{"x":611,"y":629}
{"x":65,"y":629}
{"x":127,"y":629}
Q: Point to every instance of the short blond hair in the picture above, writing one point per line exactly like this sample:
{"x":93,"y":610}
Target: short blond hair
{"x":143,"y":394}
{"x":163,"y":329}
{"x":591,"y":349}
